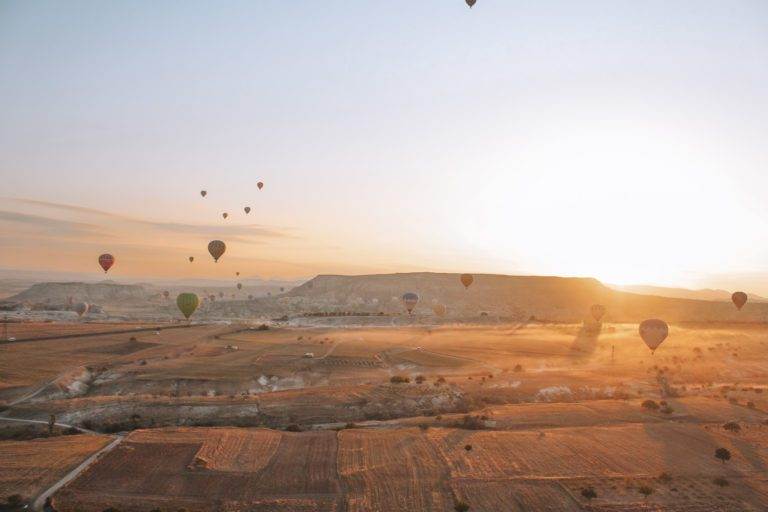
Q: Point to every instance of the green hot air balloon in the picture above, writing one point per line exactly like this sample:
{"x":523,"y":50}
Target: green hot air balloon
{"x":187,"y":303}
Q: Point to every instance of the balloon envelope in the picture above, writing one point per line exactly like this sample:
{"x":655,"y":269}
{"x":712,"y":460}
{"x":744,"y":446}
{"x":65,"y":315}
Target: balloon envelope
{"x":439,"y":309}
{"x":471,"y":3}
{"x":239,"y":286}
{"x":260,"y":185}
{"x":410,"y":300}
{"x":247,"y":210}
{"x":166,"y":293}
{"x":106,"y":261}
{"x":739,"y":299}
{"x":216,"y":248}
{"x":225,"y":215}
{"x":597,"y":311}
{"x":191,"y":259}
{"x":203,"y":193}
{"x":654,"y":332}
{"x":467,"y":279}
{"x":82,"y":308}
{"x":187,"y":303}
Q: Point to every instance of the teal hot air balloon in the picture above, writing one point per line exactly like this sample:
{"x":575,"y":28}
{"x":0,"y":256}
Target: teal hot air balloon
{"x":187,"y":303}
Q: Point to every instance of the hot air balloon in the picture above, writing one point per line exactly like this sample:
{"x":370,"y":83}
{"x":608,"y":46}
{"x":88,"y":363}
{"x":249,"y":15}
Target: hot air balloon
{"x":187,"y":303}
{"x":739,"y":299}
{"x":239,"y":286}
{"x":191,"y":259}
{"x":166,"y":293}
{"x":282,"y":289}
{"x":216,"y":248}
{"x":410,"y":299}
{"x":597,"y":311}
{"x":653,"y":332}
{"x":250,"y":297}
{"x":212,"y":297}
{"x":203,"y":193}
{"x":225,"y":215}
{"x":466,"y":280}
{"x":247,"y":210}
{"x":221,"y":295}
{"x":237,"y":274}
{"x":438,"y":309}
{"x":106,"y":261}
{"x":260,"y":185}
{"x":82,"y":308}
{"x":471,"y":3}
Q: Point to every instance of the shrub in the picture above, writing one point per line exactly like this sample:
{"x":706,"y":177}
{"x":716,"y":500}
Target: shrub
{"x":732,"y":426}
{"x":14,"y":500}
{"x":720,"y":482}
{"x":666,"y":410}
{"x":293,"y":427}
{"x":650,"y":405}
{"x":645,"y":490}
{"x":263,"y":327}
{"x":723,"y":454}
{"x":468,"y":447}
{"x":460,"y":506}
{"x":589,"y":493}
{"x":665,"y":478}
{"x":132,"y":338}
{"x":419,"y":379}
{"x":518,"y":368}
{"x":751,"y":404}
{"x":399,"y":379}
{"x":424,"y":426}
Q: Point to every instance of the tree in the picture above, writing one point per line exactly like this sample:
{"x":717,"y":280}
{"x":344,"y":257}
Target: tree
{"x":589,"y":493}
{"x":720,"y":482}
{"x":14,"y":500}
{"x":732,"y":426}
{"x":650,"y":405}
{"x":51,"y":423}
{"x":665,"y":478}
{"x":723,"y":454}
{"x":468,"y":447}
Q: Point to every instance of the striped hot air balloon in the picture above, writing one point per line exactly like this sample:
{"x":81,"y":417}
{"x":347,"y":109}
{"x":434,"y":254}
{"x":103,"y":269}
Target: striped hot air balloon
{"x":106,"y":261}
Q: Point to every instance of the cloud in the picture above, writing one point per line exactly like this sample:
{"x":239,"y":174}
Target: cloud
{"x":55,"y":226}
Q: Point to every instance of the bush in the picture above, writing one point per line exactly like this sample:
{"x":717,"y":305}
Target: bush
{"x":460,"y":506}
{"x":468,"y":447}
{"x":263,"y":327}
{"x":293,"y":427}
{"x":132,"y":338}
{"x":723,"y":454}
{"x":424,"y":426}
{"x":589,"y":493}
{"x":399,"y":379}
{"x":518,"y":368}
{"x":650,"y":405}
{"x":751,"y":404}
{"x":14,"y":500}
{"x":732,"y":426}
{"x":645,"y":490}
{"x":720,"y":482}
{"x":666,"y":410}
{"x":665,"y":478}
{"x":419,"y":379}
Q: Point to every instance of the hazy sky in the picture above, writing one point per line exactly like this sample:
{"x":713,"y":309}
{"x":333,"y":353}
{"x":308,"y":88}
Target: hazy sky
{"x":622,"y":140}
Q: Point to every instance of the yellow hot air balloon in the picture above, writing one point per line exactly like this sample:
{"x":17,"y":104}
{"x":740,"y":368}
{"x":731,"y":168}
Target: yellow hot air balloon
{"x":216,"y":248}
{"x":739,"y":299}
{"x":597,"y":311}
{"x":187,"y":303}
{"x":467,"y":280}
{"x":654,"y":332}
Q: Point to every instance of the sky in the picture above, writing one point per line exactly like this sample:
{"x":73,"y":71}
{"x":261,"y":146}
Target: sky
{"x":615,"y":139}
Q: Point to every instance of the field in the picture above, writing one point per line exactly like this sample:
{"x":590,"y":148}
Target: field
{"x":509,"y":417}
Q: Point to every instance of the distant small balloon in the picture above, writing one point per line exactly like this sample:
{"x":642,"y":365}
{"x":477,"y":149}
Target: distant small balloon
{"x":166,"y":293}
{"x":247,"y":210}
{"x":239,"y":286}
{"x":654,"y":332}
{"x":438,"y":309}
{"x":221,"y":295}
{"x":250,"y":297}
{"x":82,"y":308}
{"x":225,"y":215}
{"x":203,"y":193}
{"x":191,"y":259}
{"x":216,"y":248}
{"x":260,"y":185}
{"x":410,"y":300}
{"x":187,"y":303}
{"x":471,"y":3}
{"x":282,"y":289}
{"x":739,"y":299}
{"x":467,"y":280}
{"x":237,"y":273}
{"x":597,"y":312}
{"x":106,"y":261}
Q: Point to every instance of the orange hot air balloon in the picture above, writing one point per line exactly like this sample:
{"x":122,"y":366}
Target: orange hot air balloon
{"x":247,"y":210}
{"x":739,"y":299}
{"x":191,"y":259}
{"x":467,"y":280}
{"x":225,"y":215}
{"x":439,"y":309}
{"x":203,"y":193}
{"x":597,"y":311}
{"x":216,"y":248}
{"x":654,"y":332}
{"x":237,"y":273}
{"x":410,"y":300}
{"x":106,"y":261}
{"x":239,"y":286}
{"x":260,"y":185}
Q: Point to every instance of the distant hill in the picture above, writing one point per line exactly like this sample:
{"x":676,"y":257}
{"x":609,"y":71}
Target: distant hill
{"x":684,"y":293}
{"x":554,"y":298}
{"x":97,"y":293}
